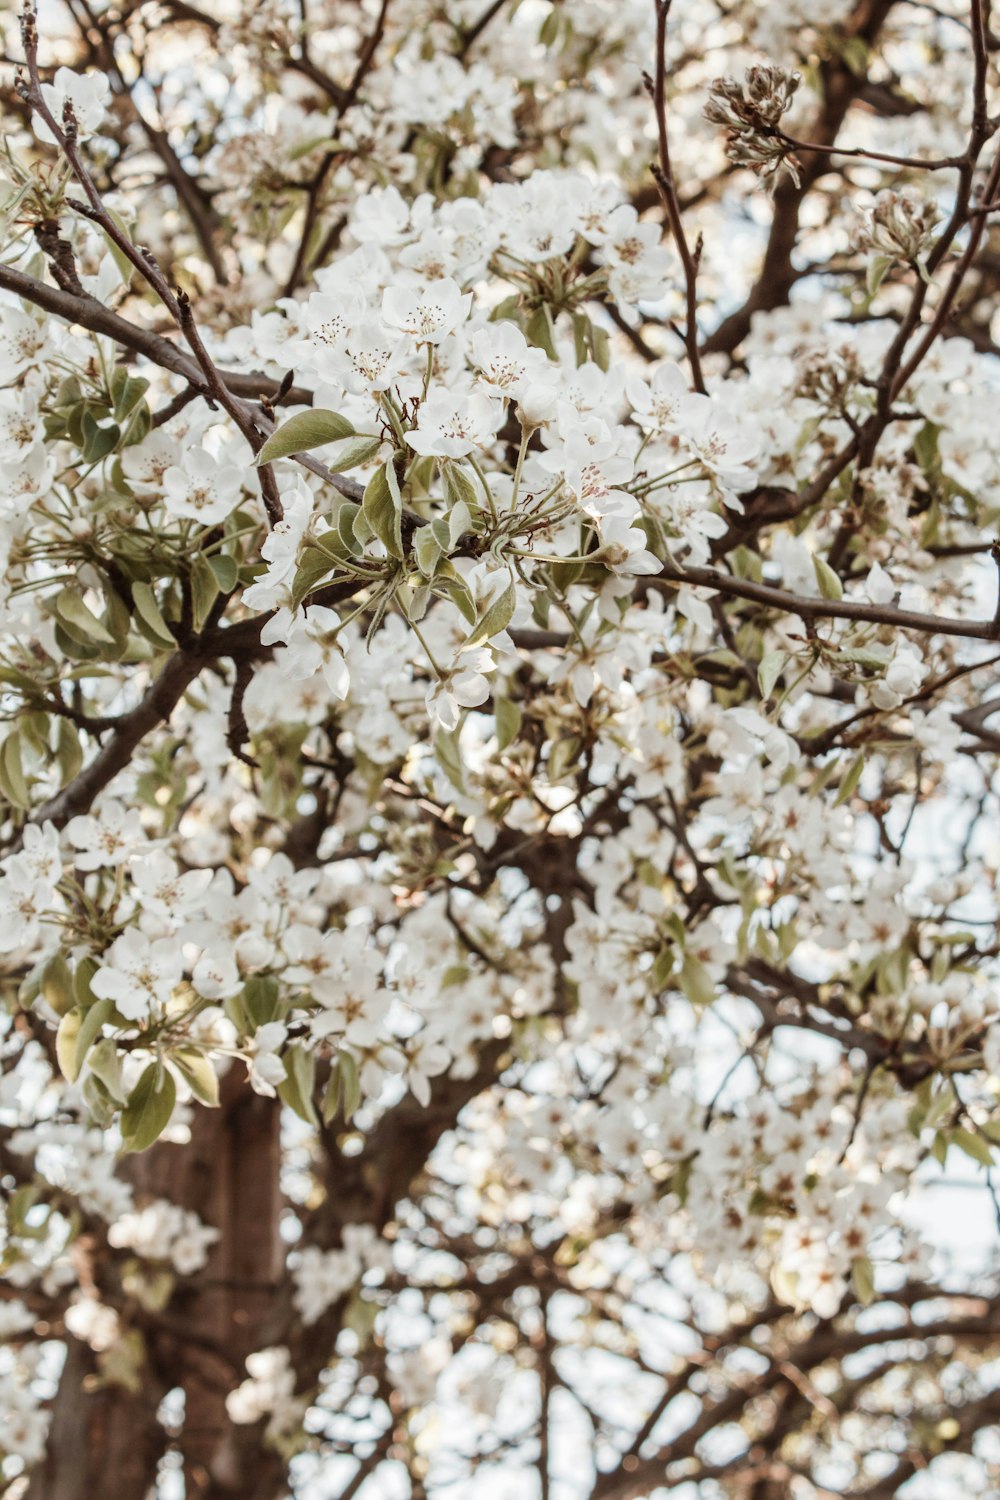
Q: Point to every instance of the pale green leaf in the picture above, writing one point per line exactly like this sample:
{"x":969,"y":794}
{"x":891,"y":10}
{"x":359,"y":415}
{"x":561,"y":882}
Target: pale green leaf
{"x":151,"y":622}
{"x":149,"y":1107}
{"x":307,"y":429}
{"x":508,"y":721}
{"x":830,"y":585}
{"x":495,"y":618}
{"x":382,"y":510}
{"x":769,"y":671}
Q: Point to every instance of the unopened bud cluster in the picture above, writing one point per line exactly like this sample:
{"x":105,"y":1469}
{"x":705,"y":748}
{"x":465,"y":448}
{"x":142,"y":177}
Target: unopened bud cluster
{"x":900,"y":226}
{"x":829,"y":378}
{"x":751,"y":113}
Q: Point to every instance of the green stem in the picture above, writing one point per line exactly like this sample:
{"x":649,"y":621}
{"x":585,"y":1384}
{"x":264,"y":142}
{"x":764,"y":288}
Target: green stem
{"x":483,"y":481}
{"x":522,"y":450}
{"x":439,"y":674}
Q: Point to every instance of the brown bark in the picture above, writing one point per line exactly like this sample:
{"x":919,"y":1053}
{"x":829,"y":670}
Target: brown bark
{"x":103,"y":1440}
{"x":106,"y":1440}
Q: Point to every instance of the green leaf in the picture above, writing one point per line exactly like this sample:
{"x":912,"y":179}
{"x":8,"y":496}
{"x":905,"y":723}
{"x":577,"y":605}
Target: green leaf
{"x":12,"y":782}
{"x":449,"y":758}
{"x":507,"y":311}
{"x":307,"y":429}
{"x":316,"y":143}
{"x":696,"y":982}
{"x":350,"y":1083}
{"x":343,"y":1091}
{"x":118,"y":619}
{"x":315,"y":564}
{"x":382,"y":508}
{"x":455,"y":589}
{"x":602,"y":347}
{"x":56,"y":984}
{"x":204,"y":590}
{"x":261,"y":997}
{"x":98,"y":441}
{"x":296,"y":1089}
{"x":105,"y":1063}
{"x":863,"y":1277}
{"x":540,"y":331}
{"x":427,"y":550}
{"x":347,"y":523}
{"x":393,"y":481}
{"x":199,"y":1073}
{"x":875,"y":275}
{"x":856,"y":53}
{"x":85,"y":971}
{"x":138,"y":426}
{"x":69,"y":751}
{"x":73,"y":649}
{"x":563,"y":754}
{"x":126,"y":391}
{"x":581,"y":337}
{"x":66,"y":1040}
{"x":508,"y":720}
{"x":149,"y":1107}
{"x":875,"y":661}
{"x":850,"y":781}
{"x":79,"y":621}
{"x":972,"y":1144}
{"x":495,"y":618}
{"x":939,"y":1105}
{"x":151,"y":622}
{"x":20,"y":1203}
{"x":460,"y":489}
{"x":747,"y":564}
{"x":360,"y":449}
{"x":769,"y":671}
{"x":925,"y":447}
{"x":663,"y":968}
{"x":98,"y":1101}
{"x":331,"y":1095}
{"x":97,"y":1016}
{"x":830,"y":585}
{"x":235,"y":1012}
{"x":34,"y":726}
{"x":459,"y":523}
{"x":225,"y":570}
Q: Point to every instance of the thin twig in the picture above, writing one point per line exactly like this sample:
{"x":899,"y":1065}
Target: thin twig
{"x":664,"y":176}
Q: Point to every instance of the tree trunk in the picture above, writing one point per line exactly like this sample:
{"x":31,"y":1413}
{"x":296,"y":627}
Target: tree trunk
{"x":103,"y":1440}
{"x":106,"y":1440}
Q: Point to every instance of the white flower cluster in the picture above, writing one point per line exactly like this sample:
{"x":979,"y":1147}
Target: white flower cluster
{"x":268,"y":1392}
{"x":550,"y":749}
{"x":28,"y":888}
{"x":162,"y":1231}
{"x":25,"y":1422}
{"x":322,"y":1277}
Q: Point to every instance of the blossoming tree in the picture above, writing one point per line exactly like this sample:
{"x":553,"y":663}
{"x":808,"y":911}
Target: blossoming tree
{"x":498,"y":817}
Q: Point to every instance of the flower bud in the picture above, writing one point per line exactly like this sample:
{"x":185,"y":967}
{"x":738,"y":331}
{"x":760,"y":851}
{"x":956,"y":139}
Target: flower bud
{"x":751,"y":113}
{"x":900,"y":227}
